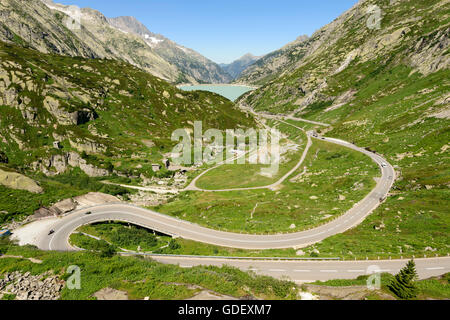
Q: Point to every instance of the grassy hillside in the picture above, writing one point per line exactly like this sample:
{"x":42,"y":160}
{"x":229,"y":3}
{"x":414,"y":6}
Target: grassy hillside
{"x":386,"y":89}
{"x":330,"y":181}
{"x":106,"y":117}
{"x":142,"y":278}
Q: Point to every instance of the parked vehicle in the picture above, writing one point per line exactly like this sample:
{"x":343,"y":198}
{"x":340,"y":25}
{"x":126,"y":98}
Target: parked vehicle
{"x":88,"y":213}
{"x":5,"y":233}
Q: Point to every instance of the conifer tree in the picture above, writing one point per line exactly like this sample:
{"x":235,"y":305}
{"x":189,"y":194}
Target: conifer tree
{"x":403,"y":285}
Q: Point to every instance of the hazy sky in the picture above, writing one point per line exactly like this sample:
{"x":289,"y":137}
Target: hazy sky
{"x":224,"y":30}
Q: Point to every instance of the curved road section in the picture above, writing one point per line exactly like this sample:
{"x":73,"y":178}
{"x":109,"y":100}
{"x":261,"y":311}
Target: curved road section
{"x":153,"y":220}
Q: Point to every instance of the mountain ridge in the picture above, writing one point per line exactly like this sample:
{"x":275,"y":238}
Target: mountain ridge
{"x":236,"y":67}
{"x":205,"y":70}
{"x":52,"y":28}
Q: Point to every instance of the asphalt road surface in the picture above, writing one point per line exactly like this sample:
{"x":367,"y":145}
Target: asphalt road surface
{"x":304,"y":271}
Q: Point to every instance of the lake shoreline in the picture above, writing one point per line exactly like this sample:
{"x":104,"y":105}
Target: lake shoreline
{"x":229,"y":91}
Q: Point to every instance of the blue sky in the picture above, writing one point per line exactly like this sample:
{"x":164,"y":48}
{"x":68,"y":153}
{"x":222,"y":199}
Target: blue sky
{"x":224,"y":30}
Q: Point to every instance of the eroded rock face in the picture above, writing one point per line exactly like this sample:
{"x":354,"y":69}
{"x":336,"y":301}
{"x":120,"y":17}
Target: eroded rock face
{"x":65,"y":206}
{"x":428,"y":55}
{"x":87,"y":146}
{"x":58,"y":164}
{"x":409,"y":40}
{"x":68,"y":118}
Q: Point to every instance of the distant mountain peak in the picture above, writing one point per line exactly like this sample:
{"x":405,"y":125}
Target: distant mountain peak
{"x":123,"y":38}
{"x":130,"y":24}
{"x":203,"y":70}
{"x":302,"y":38}
{"x":248,"y":55}
{"x":238,"y":66}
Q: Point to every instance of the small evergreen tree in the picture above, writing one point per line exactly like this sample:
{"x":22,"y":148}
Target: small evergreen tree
{"x":173,"y":245}
{"x":403,"y":285}
{"x":105,"y":249}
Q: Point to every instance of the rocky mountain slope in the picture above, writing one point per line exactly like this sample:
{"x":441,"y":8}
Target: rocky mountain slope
{"x":99,"y":115}
{"x":53,"y":28}
{"x":238,"y":66}
{"x":302,"y":72}
{"x":193,"y":65}
{"x":385,"y":88}
{"x":274,"y":63}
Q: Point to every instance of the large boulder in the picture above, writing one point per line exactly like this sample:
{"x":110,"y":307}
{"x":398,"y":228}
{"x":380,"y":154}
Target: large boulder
{"x":111,"y":294}
{"x":64,"y":206}
{"x":18,"y":181}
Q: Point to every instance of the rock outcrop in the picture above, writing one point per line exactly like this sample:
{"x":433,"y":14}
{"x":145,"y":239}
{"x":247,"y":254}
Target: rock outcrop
{"x":18,"y":181}
{"x":111,"y":295}
{"x":71,"y":204}
{"x":57,"y":164}
{"x":64,"y":117}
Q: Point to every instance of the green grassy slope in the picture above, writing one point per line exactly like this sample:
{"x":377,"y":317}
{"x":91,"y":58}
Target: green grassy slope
{"x":115,"y":117}
{"x":143,"y":278}
{"x":334,"y":180}
{"x":393,"y":98}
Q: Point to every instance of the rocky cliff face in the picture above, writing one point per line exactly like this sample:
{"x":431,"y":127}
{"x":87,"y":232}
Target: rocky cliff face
{"x":53,"y":28}
{"x":33,"y":24}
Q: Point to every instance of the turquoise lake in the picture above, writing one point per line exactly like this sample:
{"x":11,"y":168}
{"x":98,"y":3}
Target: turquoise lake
{"x":231,"y":92}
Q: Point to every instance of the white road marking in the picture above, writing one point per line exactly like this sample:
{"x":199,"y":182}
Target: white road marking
{"x":356,"y":270}
{"x":328,"y":271}
{"x":277,"y":270}
{"x":435,"y":268}
{"x":302,"y":270}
